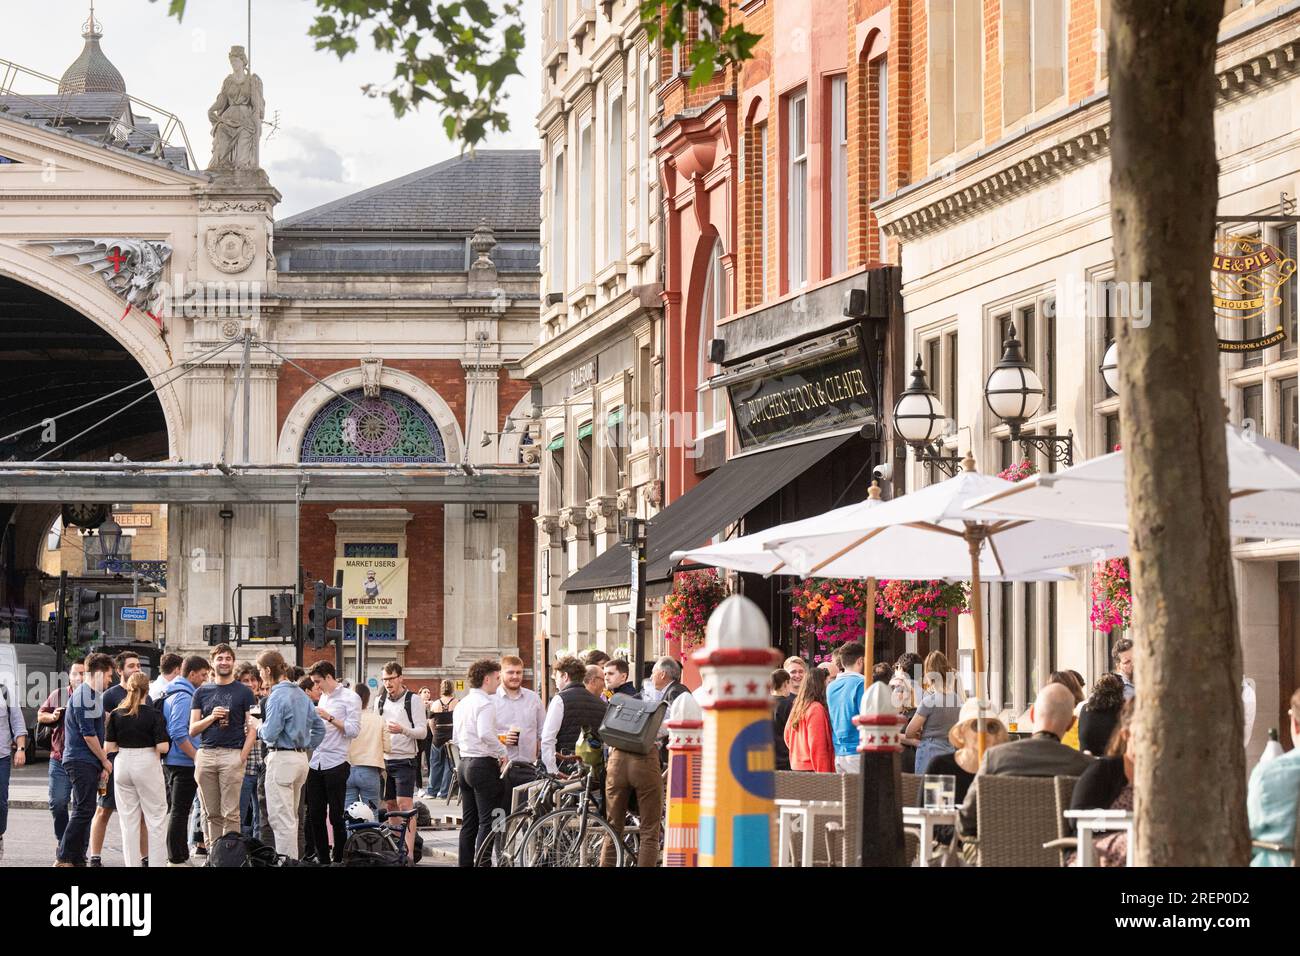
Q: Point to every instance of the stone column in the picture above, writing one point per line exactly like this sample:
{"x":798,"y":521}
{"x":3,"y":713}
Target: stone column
{"x":580,"y":619}
{"x":547,"y":592}
{"x":482,"y":408}
{"x":602,"y":513}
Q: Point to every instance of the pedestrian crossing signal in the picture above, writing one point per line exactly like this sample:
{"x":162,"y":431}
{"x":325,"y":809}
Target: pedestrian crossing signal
{"x":325,"y":612}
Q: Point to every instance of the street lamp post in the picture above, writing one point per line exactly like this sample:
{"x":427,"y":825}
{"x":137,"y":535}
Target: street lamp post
{"x":1014,"y":393}
{"x":919,"y":420}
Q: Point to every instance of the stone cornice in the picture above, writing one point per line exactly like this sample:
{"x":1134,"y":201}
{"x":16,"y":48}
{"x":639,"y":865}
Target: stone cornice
{"x":1004,"y":183}
{"x":612,"y":319}
{"x":1053,"y":147}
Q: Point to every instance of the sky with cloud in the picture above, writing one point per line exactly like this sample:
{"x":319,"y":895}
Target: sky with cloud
{"x":331,"y":139}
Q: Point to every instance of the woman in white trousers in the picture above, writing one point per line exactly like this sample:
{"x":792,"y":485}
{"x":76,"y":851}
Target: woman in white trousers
{"x":137,"y":733}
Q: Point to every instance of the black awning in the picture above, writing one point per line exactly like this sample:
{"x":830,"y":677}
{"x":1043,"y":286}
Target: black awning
{"x":731,"y":492}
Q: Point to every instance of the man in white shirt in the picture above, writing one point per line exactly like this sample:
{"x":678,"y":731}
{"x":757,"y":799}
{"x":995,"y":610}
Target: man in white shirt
{"x":407,"y":719}
{"x":578,"y":703}
{"x":328,"y":769}
{"x":520,"y":712}
{"x":170,"y":667}
{"x":482,"y":756}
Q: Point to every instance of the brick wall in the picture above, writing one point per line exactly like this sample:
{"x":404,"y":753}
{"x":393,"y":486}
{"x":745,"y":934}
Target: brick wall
{"x":424,"y":552}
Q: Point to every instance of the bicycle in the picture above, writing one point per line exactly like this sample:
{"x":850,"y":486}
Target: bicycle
{"x":574,"y":835}
{"x":504,"y":843}
{"x":378,"y":843}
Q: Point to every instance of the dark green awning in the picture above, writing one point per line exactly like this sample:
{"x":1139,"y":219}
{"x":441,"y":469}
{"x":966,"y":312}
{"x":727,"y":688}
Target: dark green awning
{"x":584,"y":431}
{"x":556,"y":443}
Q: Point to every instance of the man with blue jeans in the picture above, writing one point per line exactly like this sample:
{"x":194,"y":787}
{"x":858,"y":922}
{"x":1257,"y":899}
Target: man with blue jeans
{"x":843,"y":700}
{"x":178,"y":765}
{"x":84,"y":758}
{"x":51,"y":713}
{"x":13,"y":746}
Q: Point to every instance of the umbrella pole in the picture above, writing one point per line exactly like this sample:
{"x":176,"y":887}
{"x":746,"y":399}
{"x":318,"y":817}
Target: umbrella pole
{"x":871,"y":624}
{"x":974,"y":538}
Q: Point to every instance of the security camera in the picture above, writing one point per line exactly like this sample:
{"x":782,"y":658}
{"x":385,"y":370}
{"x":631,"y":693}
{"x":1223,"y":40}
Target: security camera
{"x":883,"y":472}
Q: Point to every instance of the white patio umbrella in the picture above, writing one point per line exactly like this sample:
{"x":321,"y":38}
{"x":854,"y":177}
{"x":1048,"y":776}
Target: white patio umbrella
{"x":947,"y":534}
{"x":1263,"y":483}
{"x":749,"y":553}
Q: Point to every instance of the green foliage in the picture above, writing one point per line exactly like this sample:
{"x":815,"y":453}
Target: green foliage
{"x":458,"y":55}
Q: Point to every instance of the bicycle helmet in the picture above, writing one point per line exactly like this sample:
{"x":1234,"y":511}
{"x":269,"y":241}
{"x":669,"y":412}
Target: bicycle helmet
{"x":360,"y":812}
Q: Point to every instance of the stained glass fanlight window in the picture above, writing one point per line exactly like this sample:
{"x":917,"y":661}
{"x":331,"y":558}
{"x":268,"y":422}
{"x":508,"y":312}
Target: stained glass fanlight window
{"x":389,"y":428}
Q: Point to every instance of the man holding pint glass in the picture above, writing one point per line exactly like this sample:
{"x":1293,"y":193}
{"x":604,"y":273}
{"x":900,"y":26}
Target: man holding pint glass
{"x":218,"y":718}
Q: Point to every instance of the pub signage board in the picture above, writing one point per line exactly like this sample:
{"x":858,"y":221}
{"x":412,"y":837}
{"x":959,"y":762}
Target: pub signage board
{"x":824,"y":394}
{"x":1248,"y":276}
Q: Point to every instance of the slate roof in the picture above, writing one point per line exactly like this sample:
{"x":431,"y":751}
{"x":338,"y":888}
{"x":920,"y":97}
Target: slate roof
{"x":448,"y":199}
{"x":101,"y":118}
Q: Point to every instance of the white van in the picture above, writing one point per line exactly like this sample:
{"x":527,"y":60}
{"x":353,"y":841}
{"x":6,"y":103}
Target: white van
{"x":28,"y":675}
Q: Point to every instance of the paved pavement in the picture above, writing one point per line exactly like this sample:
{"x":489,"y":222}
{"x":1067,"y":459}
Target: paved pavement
{"x":30,"y":837}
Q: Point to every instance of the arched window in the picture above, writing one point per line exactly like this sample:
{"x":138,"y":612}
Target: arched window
{"x":713,"y":306}
{"x":390,"y":428}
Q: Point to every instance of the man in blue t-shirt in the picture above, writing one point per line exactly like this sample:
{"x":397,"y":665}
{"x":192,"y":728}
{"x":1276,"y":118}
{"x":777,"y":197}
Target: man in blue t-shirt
{"x":843,"y":700}
{"x":218,"y":713}
{"x":84,"y":759}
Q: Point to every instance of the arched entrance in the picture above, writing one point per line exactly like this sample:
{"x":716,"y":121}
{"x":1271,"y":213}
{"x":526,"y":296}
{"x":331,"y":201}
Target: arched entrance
{"x":70,"y":390}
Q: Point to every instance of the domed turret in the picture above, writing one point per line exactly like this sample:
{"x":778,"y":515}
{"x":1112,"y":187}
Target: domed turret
{"x":92,"y":72}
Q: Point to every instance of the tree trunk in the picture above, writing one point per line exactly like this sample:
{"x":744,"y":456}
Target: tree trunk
{"x":1191,"y":777}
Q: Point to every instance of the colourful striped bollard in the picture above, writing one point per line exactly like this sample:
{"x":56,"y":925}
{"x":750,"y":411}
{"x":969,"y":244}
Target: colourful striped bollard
{"x":685,"y":737}
{"x":737,"y":780}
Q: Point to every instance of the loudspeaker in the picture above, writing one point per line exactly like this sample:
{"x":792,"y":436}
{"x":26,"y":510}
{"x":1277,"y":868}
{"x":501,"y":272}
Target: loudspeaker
{"x":717,"y":351}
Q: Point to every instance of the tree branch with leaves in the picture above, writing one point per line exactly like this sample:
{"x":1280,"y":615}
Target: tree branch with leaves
{"x":457,"y":56}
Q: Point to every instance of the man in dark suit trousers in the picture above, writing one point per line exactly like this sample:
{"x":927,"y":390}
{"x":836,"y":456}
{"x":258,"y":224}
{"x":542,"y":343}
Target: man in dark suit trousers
{"x":1042,"y":755}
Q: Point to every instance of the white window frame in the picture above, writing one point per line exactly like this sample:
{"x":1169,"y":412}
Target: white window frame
{"x":1040,"y":17}
{"x":615,"y":173}
{"x":839,"y":173}
{"x":797,"y":190}
{"x":586,"y":200}
{"x":559,"y":215}
{"x":711,"y":403}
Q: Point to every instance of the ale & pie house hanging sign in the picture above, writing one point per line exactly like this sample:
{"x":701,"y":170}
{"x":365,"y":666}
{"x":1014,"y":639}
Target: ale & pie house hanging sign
{"x":1248,"y":277}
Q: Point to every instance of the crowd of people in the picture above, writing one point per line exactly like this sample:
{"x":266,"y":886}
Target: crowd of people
{"x":277,"y":754}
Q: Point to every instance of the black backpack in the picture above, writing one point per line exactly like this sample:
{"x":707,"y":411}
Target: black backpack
{"x":236,"y":850}
{"x":410,"y":706}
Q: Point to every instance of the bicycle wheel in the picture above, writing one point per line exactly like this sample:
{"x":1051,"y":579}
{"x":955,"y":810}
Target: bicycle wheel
{"x":565,"y":838}
{"x":504,"y":845}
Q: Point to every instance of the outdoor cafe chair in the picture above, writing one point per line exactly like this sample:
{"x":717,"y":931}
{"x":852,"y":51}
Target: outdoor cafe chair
{"x":1016,"y":816}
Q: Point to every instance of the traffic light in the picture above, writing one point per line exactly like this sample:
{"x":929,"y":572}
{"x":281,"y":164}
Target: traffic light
{"x":324,"y":613}
{"x":85,"y":615}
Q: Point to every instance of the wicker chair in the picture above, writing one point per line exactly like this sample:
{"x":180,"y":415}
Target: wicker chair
{"x":843,"y":835}
{"x":1066,"y":842}
{"x":800,"y":785}
{"x":1282,"y":847}
{"x":1016,"y":816}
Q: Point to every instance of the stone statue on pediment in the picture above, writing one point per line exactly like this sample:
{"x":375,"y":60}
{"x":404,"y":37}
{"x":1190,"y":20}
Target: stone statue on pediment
{"x":236,"y":118}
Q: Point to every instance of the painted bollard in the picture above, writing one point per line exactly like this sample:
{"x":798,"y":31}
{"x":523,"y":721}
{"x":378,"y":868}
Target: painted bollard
{"x":737,"y":780}
{"x":685,"y":741}
{"x":879,"y":742}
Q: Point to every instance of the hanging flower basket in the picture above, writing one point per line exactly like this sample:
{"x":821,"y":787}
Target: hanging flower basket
{"x":1112,"y":597}
{"x":1019,"y":471}
{"x":687,"y":607}
{"x":831,"y":611}
{"x":918,"y":605}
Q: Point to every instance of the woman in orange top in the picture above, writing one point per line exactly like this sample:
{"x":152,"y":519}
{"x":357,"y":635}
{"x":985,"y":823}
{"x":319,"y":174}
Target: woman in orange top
{"x":808,"y":731}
